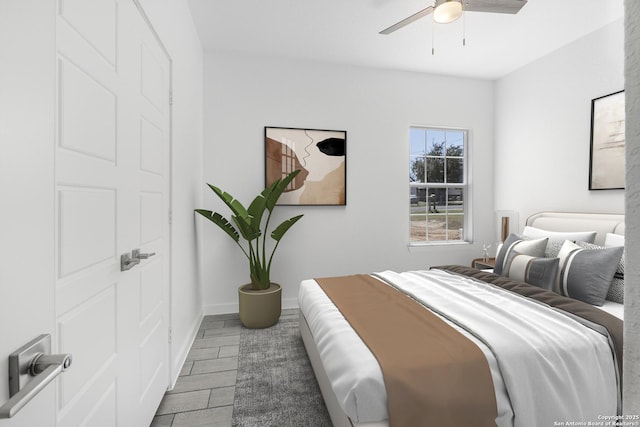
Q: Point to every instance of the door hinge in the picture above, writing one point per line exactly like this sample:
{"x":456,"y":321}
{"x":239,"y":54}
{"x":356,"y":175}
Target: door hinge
{"x":170,"y":335}
{"x":170,"y":218}
{"x":170,"y":97}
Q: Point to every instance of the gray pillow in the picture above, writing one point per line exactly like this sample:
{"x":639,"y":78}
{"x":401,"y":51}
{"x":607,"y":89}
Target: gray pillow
{"x":586,"y":274}
{"x":541,"y":272}
{"x":515,"y":245}
{"x":616,"y":289}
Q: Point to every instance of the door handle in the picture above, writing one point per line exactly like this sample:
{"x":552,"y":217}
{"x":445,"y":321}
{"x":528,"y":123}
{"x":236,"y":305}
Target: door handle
{"x":31,"y":369}
{"x":127,"y":262}
{"x":136,"y":254}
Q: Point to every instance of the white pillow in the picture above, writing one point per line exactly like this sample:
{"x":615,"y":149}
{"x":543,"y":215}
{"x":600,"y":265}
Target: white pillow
{"x":576,"y":236}
{"x":611,"y":240}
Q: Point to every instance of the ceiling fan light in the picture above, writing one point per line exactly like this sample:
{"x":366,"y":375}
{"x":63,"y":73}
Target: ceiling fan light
{"x":447,"y":11}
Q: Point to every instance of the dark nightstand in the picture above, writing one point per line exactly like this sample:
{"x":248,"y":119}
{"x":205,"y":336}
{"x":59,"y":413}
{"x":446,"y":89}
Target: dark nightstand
{"x":481,"y":264}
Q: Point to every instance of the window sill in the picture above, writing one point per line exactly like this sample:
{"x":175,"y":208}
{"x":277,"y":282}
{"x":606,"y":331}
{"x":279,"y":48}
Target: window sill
{"x":419,"y":246}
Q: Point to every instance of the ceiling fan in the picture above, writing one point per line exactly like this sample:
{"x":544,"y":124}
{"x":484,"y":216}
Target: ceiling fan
{"x":445,"y":11}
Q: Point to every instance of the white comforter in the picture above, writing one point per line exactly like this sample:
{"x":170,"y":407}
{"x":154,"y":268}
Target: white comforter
{"x":546,"y":367}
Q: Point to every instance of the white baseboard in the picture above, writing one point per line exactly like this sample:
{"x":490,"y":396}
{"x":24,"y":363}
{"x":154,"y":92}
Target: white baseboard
{"x":183,"y":352}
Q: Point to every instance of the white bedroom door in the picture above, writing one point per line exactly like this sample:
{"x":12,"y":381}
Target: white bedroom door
{"x":112,"y":197}
{"x":26,"y":192}
{"x":84,"y":178}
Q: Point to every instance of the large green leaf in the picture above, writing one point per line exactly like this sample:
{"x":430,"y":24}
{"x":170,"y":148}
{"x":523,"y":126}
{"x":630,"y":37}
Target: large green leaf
{"x":256,"y":210}
{"x":267,"y":194}
{"x":221,"y":222}
{"x":273,"y":192}
{"x":247,"y":230}
{"x":284,"y":227}
{"x":234,"y":204}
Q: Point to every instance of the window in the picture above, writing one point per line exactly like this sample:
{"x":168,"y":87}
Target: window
{"x":437,"y":185}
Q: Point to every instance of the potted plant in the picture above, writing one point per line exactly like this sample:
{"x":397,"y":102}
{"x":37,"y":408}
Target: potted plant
{"x":260,"y":300}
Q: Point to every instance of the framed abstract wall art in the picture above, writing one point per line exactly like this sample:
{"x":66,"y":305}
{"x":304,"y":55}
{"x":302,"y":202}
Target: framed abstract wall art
{"x":606,"y":168}
{"x":321,"y":156}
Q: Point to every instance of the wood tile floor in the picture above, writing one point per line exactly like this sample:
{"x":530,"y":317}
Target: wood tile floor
{"x":203,"y":394}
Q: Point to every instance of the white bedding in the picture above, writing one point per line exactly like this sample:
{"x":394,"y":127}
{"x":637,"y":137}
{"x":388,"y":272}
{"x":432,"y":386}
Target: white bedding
{"x":352,"y":369}
{"x":359,"y":387}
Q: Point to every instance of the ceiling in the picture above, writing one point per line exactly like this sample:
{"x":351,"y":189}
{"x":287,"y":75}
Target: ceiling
{"x":346,"y":32}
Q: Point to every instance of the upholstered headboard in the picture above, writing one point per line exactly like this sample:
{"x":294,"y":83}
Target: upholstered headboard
{"x":569,"y":221}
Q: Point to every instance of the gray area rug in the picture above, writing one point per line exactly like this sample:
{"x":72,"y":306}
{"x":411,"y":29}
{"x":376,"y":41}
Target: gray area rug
{"x":276,"y":385}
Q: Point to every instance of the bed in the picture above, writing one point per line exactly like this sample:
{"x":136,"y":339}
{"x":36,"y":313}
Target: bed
{"x":353,"y":384}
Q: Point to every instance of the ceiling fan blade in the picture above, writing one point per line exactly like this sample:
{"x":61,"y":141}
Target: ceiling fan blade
{"x":407,"y":21}
{"x":494,"y":6}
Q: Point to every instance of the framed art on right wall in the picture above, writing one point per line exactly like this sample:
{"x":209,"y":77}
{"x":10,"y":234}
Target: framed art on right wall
{"x":606,"y":167}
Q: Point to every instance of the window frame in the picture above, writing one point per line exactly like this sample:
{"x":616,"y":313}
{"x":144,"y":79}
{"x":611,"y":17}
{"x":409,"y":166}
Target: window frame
{"x":466,"y":237}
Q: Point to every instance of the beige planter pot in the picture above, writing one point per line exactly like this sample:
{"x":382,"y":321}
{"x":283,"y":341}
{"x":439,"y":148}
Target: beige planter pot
{"x":260,"y":309}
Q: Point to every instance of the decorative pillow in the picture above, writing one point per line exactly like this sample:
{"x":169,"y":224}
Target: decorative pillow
{"x":553,"y":248}
{"x":616,"y":290}
{"x":515,"y":245}
{"x":576,"y":236}
{"x":557,"y":238}
{"x":611,"y":240}
{"x":586,"y":274}
{"x":542,"y":272}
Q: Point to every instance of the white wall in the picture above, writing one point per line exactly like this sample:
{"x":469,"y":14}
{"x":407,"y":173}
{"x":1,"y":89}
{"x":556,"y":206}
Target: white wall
{"x":172,"y":21}
{"x":542,"y":133}
{"x":543,"y":114}
{"x":376,"y":108}
{"x":631,"y":375}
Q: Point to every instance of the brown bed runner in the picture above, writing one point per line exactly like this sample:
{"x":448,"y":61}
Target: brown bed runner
{"x":434,"y":375}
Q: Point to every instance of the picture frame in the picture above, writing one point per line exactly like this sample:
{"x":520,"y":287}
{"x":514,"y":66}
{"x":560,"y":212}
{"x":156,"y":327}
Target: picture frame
{"x":607,"y":146}
{"x":321,"y":157}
